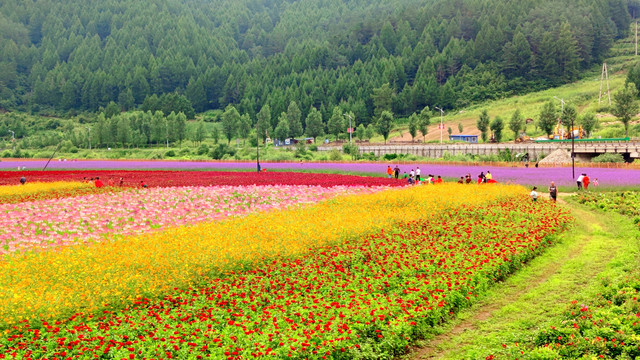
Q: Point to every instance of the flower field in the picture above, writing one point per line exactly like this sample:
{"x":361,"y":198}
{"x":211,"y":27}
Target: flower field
{"x":541,"y":177}
{"x":83,"y":219}
{"x":345,"y":268}
{"x":132,"y":178}
{"x":622,"y":202}
{"x":11,"y":194}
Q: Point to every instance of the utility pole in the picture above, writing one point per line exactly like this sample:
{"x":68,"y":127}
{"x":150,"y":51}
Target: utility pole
{"x":605,"y":74}
{"x":257,"y":148}
{"x":350,"y":129}
{"x":441,"y":124}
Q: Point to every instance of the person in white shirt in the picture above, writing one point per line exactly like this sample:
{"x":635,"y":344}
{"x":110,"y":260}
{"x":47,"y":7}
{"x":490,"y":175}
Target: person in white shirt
{"x":412,"y":174}
{"x":534,"y":194}
{"x":418,"y":174}
{"x":579,"y":181}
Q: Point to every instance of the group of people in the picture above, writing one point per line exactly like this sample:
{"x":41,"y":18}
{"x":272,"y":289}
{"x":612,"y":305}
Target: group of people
{"x":584,"y":181}
{"x":98,"y":183}
{"x":414,"y":176}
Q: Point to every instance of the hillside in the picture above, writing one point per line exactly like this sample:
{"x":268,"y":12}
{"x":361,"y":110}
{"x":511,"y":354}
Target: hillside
{"x":74,"y":56}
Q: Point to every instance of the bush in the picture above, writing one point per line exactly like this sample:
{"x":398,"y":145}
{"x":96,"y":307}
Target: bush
{"x":221,"y":150}
{"x":203,"y":150}
{"x":352,"y":149}
{"x":313,"y":147}
{"x":301,"y":150}
{"x":170,"y":153}
{"x":390,"y":157}
{"x":608,"y":158}
{"x":335,"y":155}
{"x":184,"y":152}
{"x":6,"y":154}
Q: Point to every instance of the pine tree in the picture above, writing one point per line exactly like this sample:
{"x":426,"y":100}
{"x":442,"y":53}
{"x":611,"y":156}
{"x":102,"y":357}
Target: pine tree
{"x":589,"y":121}
{"x":282,"y":130}
{"x":548,"y":118}
{"x":413,"y":125}
{"x":568,"y":116}
{"x":314,"y":125}
{"x":336,"y":125}
{"x":483,"y":124}
{"x":294,"y":116}
{"x":230,"y":119}
{"x":382,"y":99}
{"x":244,"y":127}
{"x":424,"y":122}
{"x":516,"y":123}
{"x":460,"y":128}
{"x":625,"y":105}
{"x":385,"y":124}
{"x":264,"y":122}
{"x":497,"y":126}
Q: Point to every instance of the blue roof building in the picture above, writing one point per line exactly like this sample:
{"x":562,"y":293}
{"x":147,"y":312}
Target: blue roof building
{"x":472,"y":139}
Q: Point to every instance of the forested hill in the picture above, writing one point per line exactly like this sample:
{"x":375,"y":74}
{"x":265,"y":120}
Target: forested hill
{"x":79,"y":55}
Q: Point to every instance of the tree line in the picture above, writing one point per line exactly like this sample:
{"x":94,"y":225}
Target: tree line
{"x":77,"y":56}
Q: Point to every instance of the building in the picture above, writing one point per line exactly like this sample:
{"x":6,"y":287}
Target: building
{"x":472,"y":139}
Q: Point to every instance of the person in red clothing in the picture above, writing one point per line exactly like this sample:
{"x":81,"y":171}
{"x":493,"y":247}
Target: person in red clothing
{"x":389,"y":171}
{"x":98,"y":183}
{"x":585,"y":181}
{"x":438,"y":180}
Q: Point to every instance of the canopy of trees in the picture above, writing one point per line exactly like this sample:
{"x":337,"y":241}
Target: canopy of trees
{"x":366,"y":56}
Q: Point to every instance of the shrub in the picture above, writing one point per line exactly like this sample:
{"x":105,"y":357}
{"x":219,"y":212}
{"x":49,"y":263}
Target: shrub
{"x":335,"y":155}
{"x":608,"y":158}
{"x":221,"y":150}
{"x":313,"y":147}
{"x":203,"y":150}
{"x":170,"y":153}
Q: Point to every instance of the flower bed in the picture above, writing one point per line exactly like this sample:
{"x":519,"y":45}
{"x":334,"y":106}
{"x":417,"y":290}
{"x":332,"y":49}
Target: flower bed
{"x":82,"y":219}
{"x":42,"y":190}
{"x":52,"y":284}
{"x":367,"y":295}
{"x":622,"y":202}
{"x":198,"y":178}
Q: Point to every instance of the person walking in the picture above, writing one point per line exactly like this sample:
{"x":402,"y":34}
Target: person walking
{"x":418,"y":173}
{"x":585,"y":181}
{"x":579,"y":181}
{"x":389,"y":172}
{"x":534,"y":194}
{"x":553,"y":191}
{"x":396,"y":172}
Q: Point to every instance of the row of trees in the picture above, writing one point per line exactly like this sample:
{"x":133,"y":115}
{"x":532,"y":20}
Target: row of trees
{"x":82,"y":55}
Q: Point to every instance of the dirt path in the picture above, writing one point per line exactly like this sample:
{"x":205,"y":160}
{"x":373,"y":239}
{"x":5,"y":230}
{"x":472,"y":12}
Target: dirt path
{"x":478,"y":321}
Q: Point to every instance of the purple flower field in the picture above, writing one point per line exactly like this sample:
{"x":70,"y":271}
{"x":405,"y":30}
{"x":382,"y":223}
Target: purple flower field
{"x":525,"y":176}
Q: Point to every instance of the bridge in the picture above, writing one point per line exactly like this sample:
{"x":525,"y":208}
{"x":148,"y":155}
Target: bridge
{"x":584,"y":150}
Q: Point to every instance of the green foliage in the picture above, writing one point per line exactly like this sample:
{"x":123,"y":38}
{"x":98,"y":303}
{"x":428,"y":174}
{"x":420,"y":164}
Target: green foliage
{"x":589,"y":122}
{"x":314,"y":125}
{"x":460,"y":128}
{"x":385,"y":124}
{"x":264,"y":122}
{"x":230,"y":120}
{"x":483,"y":124}
{"x":294,"y":117}
{"x":170,"y":153}
{"x":625,"y":105}
{"x":413,"y":125}
{"x":516,"y":123}
{"x":424,"y":121}
{"x":336,"y":124}
{"x":568,"y":116}
{"x":221,"y":150}
{"x":547,"y":119}
{"x":608,"y":158}
{"x":282,"y":130}
{"x":497,"y":126}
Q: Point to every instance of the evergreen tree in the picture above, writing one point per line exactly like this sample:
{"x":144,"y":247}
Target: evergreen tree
{"x":385,"y":124}
{"x":625,"y":105}
{"x":413,"y":125}
{"x":424,"y":122}
{"x":124,"y":130}
{"x":244,"y":127}
{"x":336,"y":125}
{"x":199,"y":133}
{"x":589,"y":122}
{"x":483,"y":124}
{"x":294,"y":116}
{"x":230,"y":119}
{"x":568,"y":116}
{"x":382,"y":99}
{"x":460,"y":128}
{"x":516,"y":123}
{"x":314,"y":125}
{"x":548,"y":118}
{"x":496,"y":127}
{"x":361,"y":132}
{"x":264,"y":122}
{"x":282,"y":130}
{"x":111,"y":110}
{"x":215,"y":134}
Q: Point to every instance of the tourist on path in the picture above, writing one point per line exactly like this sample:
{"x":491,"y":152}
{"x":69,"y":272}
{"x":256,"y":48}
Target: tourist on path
{"x":579,"y":181}
{"x":389,"y":171}
{"x":396,"y":171}
{"x":585,"y":181}
{"x":553,"y":191}
{"x":534,"y":194}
